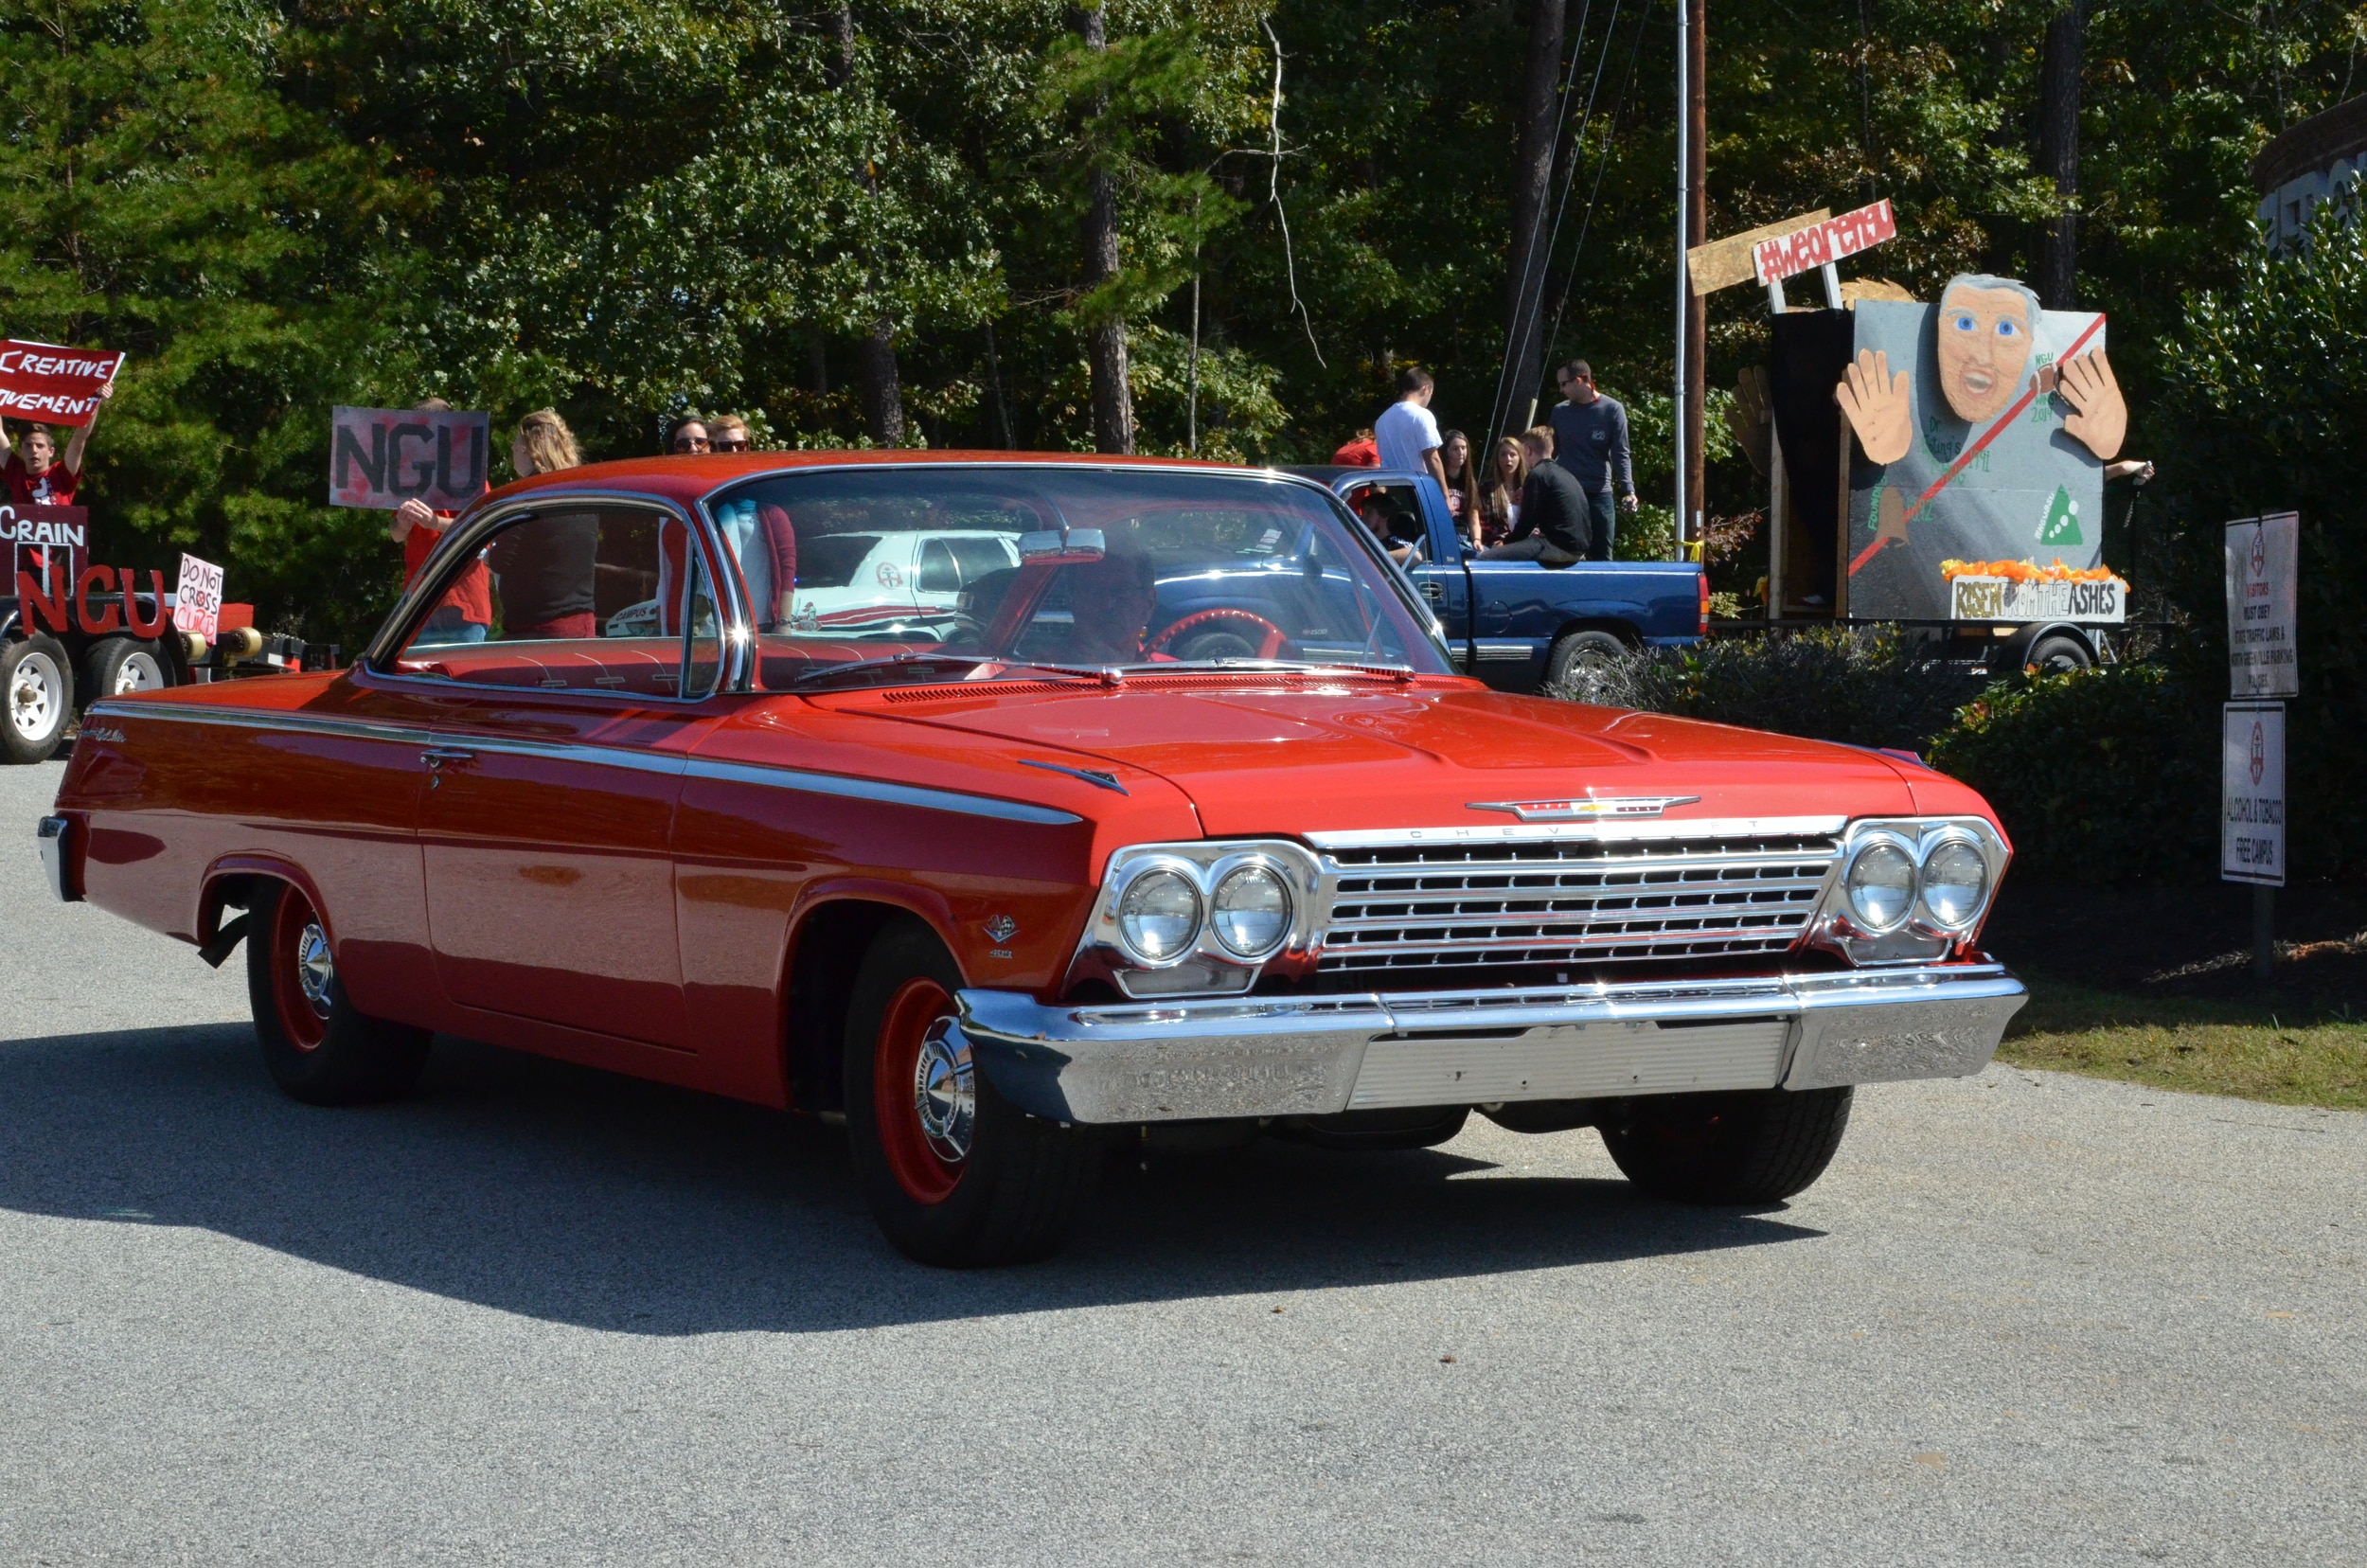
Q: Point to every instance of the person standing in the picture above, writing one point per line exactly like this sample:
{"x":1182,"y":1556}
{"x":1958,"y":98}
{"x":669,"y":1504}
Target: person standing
{"x":1406,"y":434}
{"x":37,"y":476}
{"x":1554,"y":513}
{"x":1462,"y":479}
{"x":546,"y":567}
{"x":1591,"y":441}
{"x":465,"y":614}
{"x":690,"y":439}
{"x":728,"y":433}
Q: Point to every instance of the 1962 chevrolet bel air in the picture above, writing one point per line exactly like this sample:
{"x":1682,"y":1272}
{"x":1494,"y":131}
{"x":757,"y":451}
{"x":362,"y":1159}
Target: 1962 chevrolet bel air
{"x":1180,"y":815}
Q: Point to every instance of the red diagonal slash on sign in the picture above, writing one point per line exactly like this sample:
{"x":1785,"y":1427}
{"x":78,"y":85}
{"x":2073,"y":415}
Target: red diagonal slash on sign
{"x":1979,"y":446}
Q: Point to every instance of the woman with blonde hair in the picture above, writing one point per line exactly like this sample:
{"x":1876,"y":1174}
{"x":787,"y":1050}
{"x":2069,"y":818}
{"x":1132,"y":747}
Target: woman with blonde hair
{"x":545,"y":566}
{"x":1500,"y":492}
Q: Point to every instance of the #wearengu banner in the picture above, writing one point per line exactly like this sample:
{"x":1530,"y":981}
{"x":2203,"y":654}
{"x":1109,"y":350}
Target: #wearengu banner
{"x":381,"y":457}
{"x":49,"y":384}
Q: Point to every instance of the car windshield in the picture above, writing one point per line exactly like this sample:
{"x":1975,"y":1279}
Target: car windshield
{"x":884,"y":575}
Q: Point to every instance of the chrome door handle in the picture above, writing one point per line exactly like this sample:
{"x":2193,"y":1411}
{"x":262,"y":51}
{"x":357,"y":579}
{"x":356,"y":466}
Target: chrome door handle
{"x":436,"y":757}
{"x":1433,"y":591}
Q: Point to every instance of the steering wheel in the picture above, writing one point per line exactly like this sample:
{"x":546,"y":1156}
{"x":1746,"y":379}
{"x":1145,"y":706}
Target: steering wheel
{"x":1240,"y":624}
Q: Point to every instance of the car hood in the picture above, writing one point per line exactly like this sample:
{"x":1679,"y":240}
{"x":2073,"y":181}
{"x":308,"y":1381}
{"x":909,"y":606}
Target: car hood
{"x":1257,"y":760}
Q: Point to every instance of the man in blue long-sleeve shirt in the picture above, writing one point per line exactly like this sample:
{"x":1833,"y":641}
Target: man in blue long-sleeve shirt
{"x":1591,"y":440}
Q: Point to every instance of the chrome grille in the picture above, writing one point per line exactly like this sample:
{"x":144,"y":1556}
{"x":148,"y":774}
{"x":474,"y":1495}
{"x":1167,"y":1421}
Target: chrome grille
{"x":1438,"y":905}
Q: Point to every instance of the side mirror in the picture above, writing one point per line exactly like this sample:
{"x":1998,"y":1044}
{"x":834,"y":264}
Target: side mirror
{"x":1061,"y":547}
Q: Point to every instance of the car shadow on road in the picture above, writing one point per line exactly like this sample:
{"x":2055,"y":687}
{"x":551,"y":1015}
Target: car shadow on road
{"x":582,"y":1198}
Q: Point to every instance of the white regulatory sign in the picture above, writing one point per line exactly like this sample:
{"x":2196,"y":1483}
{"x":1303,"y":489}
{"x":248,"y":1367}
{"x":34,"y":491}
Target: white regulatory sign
{"x":2252,"y":793}
{"x":197,"y":604}
{"x":2262,"y":558}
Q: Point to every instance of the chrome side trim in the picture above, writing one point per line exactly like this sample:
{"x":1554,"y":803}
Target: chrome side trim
{"x":1392,"y":838}
{"x":610,"y":756}
{"x":878,"y":789}
{"x":1313,"y":1055}
{"x":52,"y":834}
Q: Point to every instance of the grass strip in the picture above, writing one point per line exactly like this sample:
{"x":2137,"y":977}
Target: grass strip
{"x":2200,"y":1048}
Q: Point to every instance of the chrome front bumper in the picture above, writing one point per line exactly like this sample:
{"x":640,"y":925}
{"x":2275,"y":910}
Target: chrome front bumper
{"x":1315,"y":1056}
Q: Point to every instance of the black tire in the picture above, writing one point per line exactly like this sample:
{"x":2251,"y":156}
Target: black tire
{"x":37,"y":692}
{"x":1752,"y":1148}
{"x":1019,"y":1183}
{"x":2058,"y":653}
{"x":317,"y":1046}
{"x":116,"y":666}
{"x":1580,"y":658}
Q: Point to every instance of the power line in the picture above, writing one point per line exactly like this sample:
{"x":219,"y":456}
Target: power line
{"x":1634,"y":56}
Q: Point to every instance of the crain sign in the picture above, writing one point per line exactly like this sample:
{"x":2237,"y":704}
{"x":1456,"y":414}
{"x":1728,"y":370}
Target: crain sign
{"x":51,"y":542}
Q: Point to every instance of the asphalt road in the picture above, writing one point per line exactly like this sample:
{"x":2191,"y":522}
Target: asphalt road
{"x":541,"y":1315}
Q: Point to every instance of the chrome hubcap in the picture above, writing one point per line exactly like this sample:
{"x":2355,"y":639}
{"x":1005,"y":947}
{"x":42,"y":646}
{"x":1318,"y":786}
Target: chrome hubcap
{"x":945,"y":1091}
{"x":314,"y":968}
{"x":35,"y":696}
{"x":137,"y":673}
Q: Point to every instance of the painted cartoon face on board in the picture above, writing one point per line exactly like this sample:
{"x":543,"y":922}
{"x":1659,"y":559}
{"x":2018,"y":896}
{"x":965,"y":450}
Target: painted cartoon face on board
{"x":1986,"y":338}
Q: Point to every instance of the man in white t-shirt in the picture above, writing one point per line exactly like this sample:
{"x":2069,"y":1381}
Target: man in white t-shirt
{"x":1406,"y":434}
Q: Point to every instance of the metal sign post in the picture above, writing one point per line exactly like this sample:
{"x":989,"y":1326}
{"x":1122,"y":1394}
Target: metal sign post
{"x":2263,"y":554}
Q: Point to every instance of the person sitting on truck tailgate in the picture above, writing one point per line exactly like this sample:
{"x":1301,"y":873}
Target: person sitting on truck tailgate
{"x":1591,"y":440}
{"x":1406,"y":432}
{"x":36,"y":476}
{"x":1553,"y":510}
{"x":466,"y":614}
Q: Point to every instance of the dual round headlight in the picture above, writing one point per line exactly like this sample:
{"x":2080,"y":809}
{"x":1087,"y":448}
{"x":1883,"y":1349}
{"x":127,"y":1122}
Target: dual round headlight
{"x":1160,"y":914}
{"x":1884,"y":882}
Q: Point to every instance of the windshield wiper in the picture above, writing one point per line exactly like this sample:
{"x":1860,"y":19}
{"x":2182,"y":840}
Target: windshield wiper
{"x":965,"y":662}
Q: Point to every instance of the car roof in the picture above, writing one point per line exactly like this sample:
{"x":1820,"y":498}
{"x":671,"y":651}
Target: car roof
{"x":1331,"y":474}
{"x":684,"y":480}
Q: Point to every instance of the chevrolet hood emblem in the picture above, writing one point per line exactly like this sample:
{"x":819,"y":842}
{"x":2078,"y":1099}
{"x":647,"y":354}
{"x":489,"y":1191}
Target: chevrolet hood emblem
{"x":1591,"y":808}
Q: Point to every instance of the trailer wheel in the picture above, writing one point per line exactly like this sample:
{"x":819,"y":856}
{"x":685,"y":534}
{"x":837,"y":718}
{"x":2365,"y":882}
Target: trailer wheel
{"x":116,"y":666}
{"x":36,"y":684}
{"x":2058,"y":653}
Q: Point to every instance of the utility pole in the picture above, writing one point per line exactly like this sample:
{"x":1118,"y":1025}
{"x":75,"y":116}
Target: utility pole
{"x":1697,"y":305}
{"x":2058,"y":149}
{"x":1684,"y":240}
{"x":1105,"y":339}
{"x":1540,"y":113}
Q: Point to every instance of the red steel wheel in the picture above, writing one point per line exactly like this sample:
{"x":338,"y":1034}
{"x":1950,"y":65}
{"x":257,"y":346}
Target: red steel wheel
{"x":924,"y":1093}
{"x":316,"y":1044}
{"x":303,"y":970}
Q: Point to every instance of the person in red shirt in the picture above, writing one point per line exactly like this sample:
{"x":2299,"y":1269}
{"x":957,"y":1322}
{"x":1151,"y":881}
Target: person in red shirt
{"x":36,"y":476}
{"x":466,"y":612}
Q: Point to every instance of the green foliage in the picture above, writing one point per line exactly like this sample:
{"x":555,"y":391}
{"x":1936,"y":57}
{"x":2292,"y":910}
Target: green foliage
{"x":2269,"y":414}
{"x":1862,"y":688}
{"x":2106,"y":776}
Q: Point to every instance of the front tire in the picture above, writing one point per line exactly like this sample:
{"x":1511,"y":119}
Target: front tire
{"x":317,"y":1046}
{"x":37,"y":686}
{"x":956,"y":1176}
{"x":1759,"y":1147}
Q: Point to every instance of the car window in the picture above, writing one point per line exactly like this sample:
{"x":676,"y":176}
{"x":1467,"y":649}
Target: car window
{"x":591,"y":598}
{"x":1046,"y":562}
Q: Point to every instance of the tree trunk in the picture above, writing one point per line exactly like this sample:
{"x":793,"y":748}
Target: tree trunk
{"x":1531,"y":184}
{"x":875,"y":356}
{"x":1105,"y":338}
{"x":1697,"y":233}
{"x":2058,"y":151}
{"x":882,"y":391}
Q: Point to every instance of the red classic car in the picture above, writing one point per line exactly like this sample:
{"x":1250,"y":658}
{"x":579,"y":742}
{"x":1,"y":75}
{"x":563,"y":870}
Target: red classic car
{"x":1128,"y":794}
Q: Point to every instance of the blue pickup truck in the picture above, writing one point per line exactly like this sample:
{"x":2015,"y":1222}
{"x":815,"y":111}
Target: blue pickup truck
{"x":1515,"y":624}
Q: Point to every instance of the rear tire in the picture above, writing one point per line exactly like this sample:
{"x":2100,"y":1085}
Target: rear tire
{"x":956,"y":1176}
{"x":117,"y":665}
{"x":37,"y":687}
{"x":317,"y":1046}
{"x":1759,"y":1147}
{"x":1582,"y":659}
{"x":2057,"y":653}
